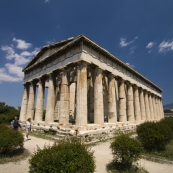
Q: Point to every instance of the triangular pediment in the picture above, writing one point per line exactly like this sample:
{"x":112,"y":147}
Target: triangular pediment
{"x":47,"y":51}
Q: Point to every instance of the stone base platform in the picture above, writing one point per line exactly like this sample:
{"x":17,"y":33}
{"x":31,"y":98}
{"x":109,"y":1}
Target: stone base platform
{"x":87,"y":134}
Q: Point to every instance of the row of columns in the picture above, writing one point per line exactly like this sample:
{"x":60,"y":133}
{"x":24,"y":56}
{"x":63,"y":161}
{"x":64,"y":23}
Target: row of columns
{"x":126,"y":102}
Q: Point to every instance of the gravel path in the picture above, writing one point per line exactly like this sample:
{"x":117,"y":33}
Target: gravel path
{"x":102,"y":155}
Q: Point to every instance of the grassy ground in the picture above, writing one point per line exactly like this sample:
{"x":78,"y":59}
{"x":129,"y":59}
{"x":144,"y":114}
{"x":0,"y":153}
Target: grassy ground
{"x":165,"y":154}
{"x":42,"y":135}
{"x":15,"y":156}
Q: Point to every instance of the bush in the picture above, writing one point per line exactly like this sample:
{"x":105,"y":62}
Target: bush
{"x":154,"y":136}
{"x":125,"y":150}
{"x":168,"y":121}
{"x":6,"y":118}
{"x":63,"y":157}
{"x":7,"y":113}
{"x":10,"y":140}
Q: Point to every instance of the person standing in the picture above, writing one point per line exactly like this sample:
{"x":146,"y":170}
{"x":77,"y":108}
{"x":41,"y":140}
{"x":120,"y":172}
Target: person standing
{"x":15,"y":124}
{"x":28,"y":128}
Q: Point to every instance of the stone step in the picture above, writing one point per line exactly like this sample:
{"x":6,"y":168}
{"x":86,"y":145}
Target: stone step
{"x":65,"y":129}
{"x":63,"y":132}
{"x":60,"y":136}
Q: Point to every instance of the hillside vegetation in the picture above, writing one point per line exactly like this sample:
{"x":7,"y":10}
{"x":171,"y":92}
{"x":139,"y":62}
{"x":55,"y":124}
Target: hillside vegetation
{"x":7,"y":113}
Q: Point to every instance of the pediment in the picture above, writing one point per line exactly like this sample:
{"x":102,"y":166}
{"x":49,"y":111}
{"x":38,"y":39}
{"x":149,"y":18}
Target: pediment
{"x":47,"y":51}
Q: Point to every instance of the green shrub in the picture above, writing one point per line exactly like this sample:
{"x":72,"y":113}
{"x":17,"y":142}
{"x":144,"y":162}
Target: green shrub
{"x":168,"y":121}
{"x":7,"y":113}
{"x":154,"y":136}
{"x":63,"y":157}
{"x":125,"y":150}
{"x":10,"y":140}
{"x":6,"y":118}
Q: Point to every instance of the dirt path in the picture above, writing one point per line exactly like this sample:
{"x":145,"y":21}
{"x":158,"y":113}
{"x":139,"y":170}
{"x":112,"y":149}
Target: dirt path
{"x":102,"y":155}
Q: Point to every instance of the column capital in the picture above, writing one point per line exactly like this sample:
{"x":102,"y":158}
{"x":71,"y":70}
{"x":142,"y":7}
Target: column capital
{"x":99,"y":69}
{"x":82,"y":63}
{"x":128,"y":83}
{"x":121,"y":80}
{"x":141,"y":89}
{"x":135,"y":86}
{"x":111,"y":76}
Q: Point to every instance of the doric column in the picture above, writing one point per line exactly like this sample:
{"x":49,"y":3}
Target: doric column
{"x":30,"y":108}
{"x":136,"y":104}
{"x":157,"y":109}
{"x":117,"y":97}
{"x":40,"y":101}
{"x":161,"y":108}
{"x":142,"y":104}
{"x":50,"y":100}
{"x":24,"y":104}
{"x":147,"y":108}
{"x":81,"y":110}
{"x":64,"y":98}
{"x":122,"y":102}
{"x":130,"y":105}
{"x":112,"y":109}
{"x":151,"y":107}
{"x":98,"y":97}
{"x":154,"y":107}
{"x":91,"y":95}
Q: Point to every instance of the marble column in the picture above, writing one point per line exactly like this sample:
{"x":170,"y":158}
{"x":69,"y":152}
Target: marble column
{"x":50,"y":106}
{"x":112,"y":109}
{"x":57,"y":100}
{"x":30,"y":108}
{"x":91,"y":96}
{"x":142,"y":104}
{"x":117,"y":97}
{"x":147,"y":108}
{"x":151,"y":107}
{"x":161,"y":109}
{"x":122,"y":102}
{"x":157,"y":109}
{"x":81,"y":110}
{"x":40,"y":101}
{"x":154,"y":107}
{"x":24,"y":104}
{"x":130,"y":105}
{"x":64,"y":98}
{"x":98,"y":97}
{"x":136,"y":104}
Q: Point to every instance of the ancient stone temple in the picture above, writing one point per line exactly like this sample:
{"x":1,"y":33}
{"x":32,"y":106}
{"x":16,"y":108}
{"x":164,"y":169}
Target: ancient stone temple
{"x":88,"y":86}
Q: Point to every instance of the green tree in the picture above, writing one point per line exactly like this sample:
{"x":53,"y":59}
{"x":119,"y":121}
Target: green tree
{"x":10,"y":140}
{"x":154,"y":136}
{"x":125,"y":150}
{"x":63,"y":157}
{"x":7,"y":113}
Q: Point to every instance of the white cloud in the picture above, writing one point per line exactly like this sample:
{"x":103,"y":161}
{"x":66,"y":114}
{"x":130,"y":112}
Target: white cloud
{"x":166,"y":46}
{"x":132,"y":49}
{"x":47,"y":1}
{"x":5,"y":77}
{"x":10,"y":52}
{"x":21,"y":44}
{"x":130,"y":65}
{"x":26,"y":53}
{"x":123,"y":42}
{"x":12,"y":71}
{"x":150,"y":45}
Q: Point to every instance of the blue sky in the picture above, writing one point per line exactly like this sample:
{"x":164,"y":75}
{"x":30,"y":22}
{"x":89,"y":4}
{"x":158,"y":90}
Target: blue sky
{"x":139,"y":32}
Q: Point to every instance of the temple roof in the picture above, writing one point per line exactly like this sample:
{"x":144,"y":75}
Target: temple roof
{"x":63,"y":44}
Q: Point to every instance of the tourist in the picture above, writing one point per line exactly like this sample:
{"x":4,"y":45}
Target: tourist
{"x":28,"y":128}
{"x":15,"y":124}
